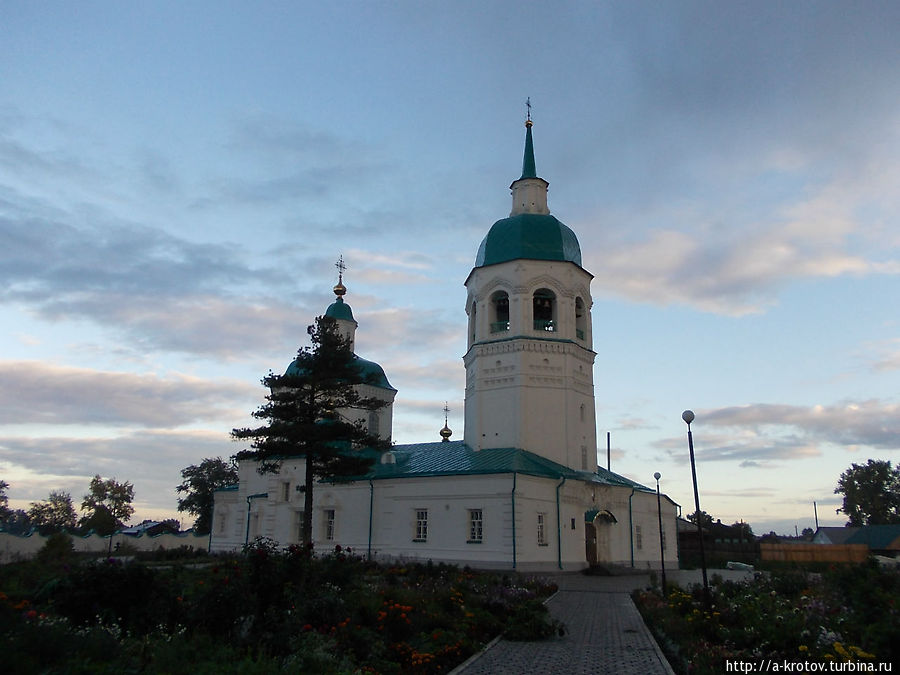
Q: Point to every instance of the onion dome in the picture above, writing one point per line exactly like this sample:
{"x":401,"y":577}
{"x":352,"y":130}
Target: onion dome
{"x":445,"y":432}
{"x":368,"y":370}
{"x":530,"y":232}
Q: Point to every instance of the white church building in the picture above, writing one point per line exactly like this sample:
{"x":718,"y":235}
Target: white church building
{"x":522,"y":490}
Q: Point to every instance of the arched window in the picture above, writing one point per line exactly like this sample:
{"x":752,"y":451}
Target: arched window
{"x":580,"y":319}
{"x":472,"y":320}
{"x":499,"y":312}
{"x":544,"y":310}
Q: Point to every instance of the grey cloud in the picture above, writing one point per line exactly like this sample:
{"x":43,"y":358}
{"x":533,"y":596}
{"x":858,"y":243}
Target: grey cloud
{"x":37,"y":393}
{"x":198,"y":324}
{"x":151,"y":460}
{"x":872,"y":423}
{"x":295,"y":163}
{"x":758,"y":434}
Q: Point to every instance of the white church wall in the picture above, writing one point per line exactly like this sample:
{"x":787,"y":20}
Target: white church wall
{"x":448,"y":504}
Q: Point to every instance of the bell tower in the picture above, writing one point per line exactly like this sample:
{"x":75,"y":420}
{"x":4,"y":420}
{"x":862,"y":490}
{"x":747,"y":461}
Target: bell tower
{"x":529,"y":363}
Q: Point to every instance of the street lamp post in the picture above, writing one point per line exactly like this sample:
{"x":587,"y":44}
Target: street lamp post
{"x":662,"y":543}
{"x":688,"y":417}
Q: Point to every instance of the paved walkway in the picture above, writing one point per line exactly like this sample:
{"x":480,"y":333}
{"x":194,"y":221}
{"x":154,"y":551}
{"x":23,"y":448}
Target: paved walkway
{"x":605,"y":634}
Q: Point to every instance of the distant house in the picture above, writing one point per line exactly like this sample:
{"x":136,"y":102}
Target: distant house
{"x":722,"y":543}
{"x":881,"y":539}
{"x":834,"y":535}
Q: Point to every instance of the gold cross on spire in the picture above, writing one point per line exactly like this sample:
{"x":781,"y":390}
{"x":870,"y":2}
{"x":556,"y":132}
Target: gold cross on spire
{"x":528,"y":112}
{"x":340,"y":290}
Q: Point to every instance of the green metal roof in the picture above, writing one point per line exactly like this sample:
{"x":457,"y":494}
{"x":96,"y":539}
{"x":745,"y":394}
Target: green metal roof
{"x":455,"y":458}
{"x":340,"y":310}
{"x":367,"y":369}
{"x":370,"y":369}
{"x":531,"y":236}
{"x":876,"y":536}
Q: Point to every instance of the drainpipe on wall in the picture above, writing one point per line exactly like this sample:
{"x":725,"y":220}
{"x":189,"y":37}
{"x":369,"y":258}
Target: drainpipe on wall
{"x":256,"y":496}
{"x":559,"y":527}
{"x":631,"y":526}
{"x":371,"y":504}
{"x":513,"y":496}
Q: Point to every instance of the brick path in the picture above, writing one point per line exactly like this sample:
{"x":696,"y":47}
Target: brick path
{"x":605,"y":634}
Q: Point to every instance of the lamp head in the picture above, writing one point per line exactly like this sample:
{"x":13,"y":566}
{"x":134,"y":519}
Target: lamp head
{"x":688,"y":416}
{"x":657,"y":475}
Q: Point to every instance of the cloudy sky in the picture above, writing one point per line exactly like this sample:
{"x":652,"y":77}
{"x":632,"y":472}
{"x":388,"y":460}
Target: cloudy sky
{"x":178,"y":179}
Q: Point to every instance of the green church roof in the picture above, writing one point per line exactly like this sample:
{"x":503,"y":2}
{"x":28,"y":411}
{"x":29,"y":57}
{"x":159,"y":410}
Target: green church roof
{"x":530,"y":236}
{"x":340,"y":310}
{"x":455,"y":458}
{"x":370,"y":370}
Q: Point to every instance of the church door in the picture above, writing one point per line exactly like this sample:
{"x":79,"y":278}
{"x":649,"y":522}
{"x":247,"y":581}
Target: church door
{"x":590,"y":543}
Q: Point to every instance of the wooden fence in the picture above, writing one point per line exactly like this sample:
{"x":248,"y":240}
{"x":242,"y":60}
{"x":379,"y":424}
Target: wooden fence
{"x":802,"y":553}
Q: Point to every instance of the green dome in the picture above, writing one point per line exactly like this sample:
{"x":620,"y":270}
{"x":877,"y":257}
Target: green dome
{"x":530,"y":236}
{"x":340,"y":310}
{"x":367,"y":369}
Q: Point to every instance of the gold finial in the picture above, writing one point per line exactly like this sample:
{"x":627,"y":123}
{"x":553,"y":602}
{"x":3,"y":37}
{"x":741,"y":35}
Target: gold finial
{"x":340,"y":290}
{"x":528,"y":113}
{"x":445,"y":432}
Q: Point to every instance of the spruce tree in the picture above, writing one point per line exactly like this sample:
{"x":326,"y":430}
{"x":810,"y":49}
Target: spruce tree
{"x":308,"y":414}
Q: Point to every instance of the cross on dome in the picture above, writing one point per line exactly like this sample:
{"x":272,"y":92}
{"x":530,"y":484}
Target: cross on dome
{"x":340,"y":290}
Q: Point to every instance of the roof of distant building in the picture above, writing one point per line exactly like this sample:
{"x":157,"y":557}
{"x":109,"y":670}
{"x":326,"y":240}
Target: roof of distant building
{"x":878,"y":537}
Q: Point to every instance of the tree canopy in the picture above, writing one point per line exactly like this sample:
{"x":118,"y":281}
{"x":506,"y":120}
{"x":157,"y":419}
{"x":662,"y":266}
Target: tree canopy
{"x":705,"y":519}
{"x":4,"y":500}
{"x":199,"y":482}
{"x":871,"y":493}
{"x":309,"y":414}
{"x":54,"y":513}
{"x":107,"y":505}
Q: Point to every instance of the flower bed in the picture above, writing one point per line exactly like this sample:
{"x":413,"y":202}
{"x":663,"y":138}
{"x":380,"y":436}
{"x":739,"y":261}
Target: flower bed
{"x":266,"y":611}
{"x":847,"y":613}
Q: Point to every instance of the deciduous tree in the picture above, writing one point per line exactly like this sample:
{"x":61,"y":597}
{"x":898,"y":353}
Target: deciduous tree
{"x":871,"y":493}
{"x":54,"y":513}
{"x":199,"y":484}
{"x":705,"y":519}
{"x":108,"y":505}
{"x":306,"y":415}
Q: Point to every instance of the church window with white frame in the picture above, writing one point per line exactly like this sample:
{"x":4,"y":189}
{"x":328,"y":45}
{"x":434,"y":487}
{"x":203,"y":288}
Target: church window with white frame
{"x":541,"y":531}
{"x":328,"y":524}
{"x":421,"y":533}
{"x":476,"y":526}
